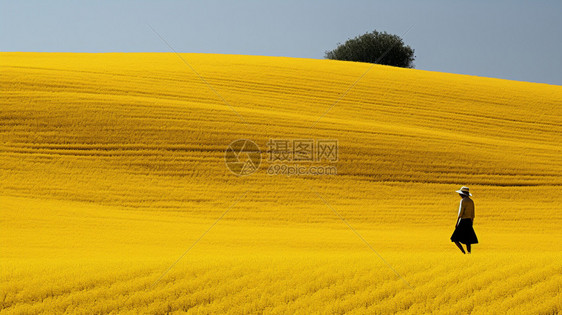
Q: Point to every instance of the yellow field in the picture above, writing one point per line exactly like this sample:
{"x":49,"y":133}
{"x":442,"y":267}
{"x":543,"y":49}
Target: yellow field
{"x":112,"y":167}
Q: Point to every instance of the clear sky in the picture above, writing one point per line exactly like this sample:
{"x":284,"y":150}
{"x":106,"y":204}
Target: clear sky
{"x":518,"y":40}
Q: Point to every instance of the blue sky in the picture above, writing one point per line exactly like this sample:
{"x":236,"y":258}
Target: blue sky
{"x":517,"y":40}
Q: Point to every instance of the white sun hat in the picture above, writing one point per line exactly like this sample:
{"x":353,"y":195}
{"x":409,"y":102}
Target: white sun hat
{"x":464,"y":191}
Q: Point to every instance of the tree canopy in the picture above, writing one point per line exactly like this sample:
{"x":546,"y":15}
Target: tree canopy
{"x":375,"y":47}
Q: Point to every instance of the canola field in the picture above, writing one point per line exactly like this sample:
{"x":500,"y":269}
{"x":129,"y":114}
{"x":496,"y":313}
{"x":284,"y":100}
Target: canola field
{"x":115,"y":196}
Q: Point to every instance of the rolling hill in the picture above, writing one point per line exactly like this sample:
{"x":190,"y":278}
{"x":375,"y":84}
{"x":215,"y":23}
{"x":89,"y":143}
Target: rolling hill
{"x":115,"y":195}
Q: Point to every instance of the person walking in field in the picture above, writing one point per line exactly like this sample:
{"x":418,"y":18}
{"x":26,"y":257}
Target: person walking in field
{"x":464,"y":233}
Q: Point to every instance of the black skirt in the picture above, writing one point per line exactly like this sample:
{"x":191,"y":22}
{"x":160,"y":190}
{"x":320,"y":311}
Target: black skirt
{"x":464,"y":233}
